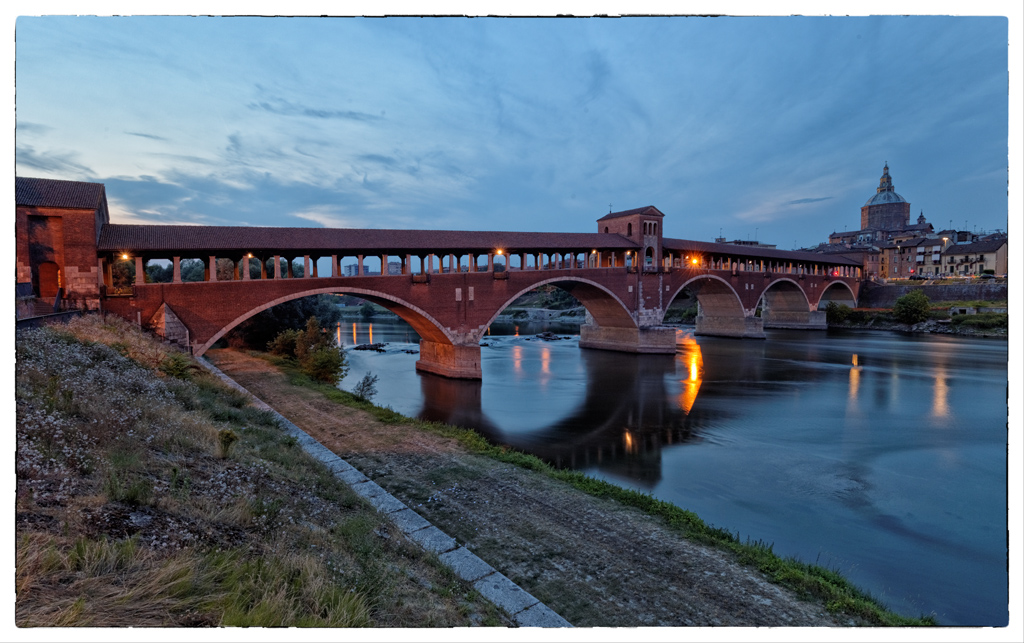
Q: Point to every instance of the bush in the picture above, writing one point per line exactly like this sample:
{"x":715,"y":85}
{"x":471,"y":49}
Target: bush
{"x":325,"y":365}
{"x":284,"y":343}
{"x":982,"y":321}
{"x":912,"y":308}
{"x":836,"y":313}
{"x":366,"y":388}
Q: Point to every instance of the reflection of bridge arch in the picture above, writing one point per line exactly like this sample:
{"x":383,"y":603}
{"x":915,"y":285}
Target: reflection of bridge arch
{"x":423,"y":323}
{"x":603,"y":305}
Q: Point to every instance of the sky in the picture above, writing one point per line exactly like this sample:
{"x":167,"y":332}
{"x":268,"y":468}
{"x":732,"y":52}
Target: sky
{"x":773,"y":128}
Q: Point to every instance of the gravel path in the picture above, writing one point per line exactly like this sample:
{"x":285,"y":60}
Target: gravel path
{"x":593,"y":561}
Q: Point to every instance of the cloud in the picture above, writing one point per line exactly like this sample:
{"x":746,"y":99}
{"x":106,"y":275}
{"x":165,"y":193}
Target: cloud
{"x":807,"y":200}
{"x":326,"y":216}
{"x":151,"y":136}
{"x":284,"y":108}
{"x":60,"y":164}
{"x":32,"y":128}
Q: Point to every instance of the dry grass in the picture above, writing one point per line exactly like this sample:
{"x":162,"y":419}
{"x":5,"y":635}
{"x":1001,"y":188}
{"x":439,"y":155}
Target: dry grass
{"x":131,"y":511}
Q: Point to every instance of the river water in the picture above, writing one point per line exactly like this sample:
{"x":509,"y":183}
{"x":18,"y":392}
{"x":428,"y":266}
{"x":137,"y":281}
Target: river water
{"x":877,"y":454}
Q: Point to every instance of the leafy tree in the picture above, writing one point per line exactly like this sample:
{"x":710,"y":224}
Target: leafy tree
{"x":366,"y":310}
{"x":836,"y":313}
{"x":912,"y":308}
{"x":263,"y":327}
{"x":123,"y":272}
{"x":314,"y":349}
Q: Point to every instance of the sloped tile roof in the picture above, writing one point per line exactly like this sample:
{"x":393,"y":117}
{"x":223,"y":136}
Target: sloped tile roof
{"x":704,"y":247}
{"x":988,"y":245}
{"x":52,"y":193}
{"x":152,"y":238}
{"x":648,"y":210}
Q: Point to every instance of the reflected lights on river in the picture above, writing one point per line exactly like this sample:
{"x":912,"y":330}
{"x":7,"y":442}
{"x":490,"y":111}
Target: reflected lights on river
{"x":854,"y":379}
{"x":627,"y":442}
{"x":354,"y":340}
{"x":545,"y":361}
{"x":371,"y":333}
{"x":693,"y":363}
{"x":517,"y":360}
{"x":940,"y":400}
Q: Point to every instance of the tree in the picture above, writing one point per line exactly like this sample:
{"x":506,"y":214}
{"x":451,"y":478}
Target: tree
{"x":262,"y":327}
{"x":366,"y":311}
{"x":836,"y":313}
{"x":912,"y":308}
{"x":314,"y":349}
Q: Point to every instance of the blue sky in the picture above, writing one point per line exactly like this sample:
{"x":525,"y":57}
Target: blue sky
{"x":773,"y":128}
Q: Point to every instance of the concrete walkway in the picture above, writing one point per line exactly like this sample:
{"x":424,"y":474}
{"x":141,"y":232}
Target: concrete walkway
{"x":525,"y":610}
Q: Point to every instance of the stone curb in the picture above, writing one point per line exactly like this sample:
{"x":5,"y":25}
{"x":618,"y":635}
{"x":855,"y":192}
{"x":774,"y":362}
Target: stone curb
{"x":525,"y":610}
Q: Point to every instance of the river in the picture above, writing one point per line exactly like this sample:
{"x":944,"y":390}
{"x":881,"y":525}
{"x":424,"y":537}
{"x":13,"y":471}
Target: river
{"x":877,"y":454}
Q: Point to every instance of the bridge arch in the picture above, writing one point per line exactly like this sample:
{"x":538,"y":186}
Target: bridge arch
{"x":426,"y":326}
{"x":838,"y":291}
{"x":603,"y":305}
{"x":716,"y":296}
{"x":721,"y":309}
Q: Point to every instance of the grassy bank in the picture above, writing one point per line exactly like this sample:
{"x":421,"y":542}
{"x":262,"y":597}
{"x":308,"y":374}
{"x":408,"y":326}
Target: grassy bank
{"x":150,"y":494}
{"x":810,"y":581}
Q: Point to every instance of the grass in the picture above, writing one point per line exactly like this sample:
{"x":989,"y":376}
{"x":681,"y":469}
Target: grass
{"x":807,"y":580}
{"x":151,"y":494}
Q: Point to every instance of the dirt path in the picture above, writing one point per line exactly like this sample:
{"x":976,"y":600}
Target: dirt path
{"x":593,"y":561}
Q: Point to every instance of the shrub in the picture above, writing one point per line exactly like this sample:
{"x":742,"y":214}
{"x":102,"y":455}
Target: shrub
{"x":366,"y":388}
{"x":325,"y":364}
{"x":226,"y":438}
{"x":178,"y":365}
{"x":912,"y":308}
{"x":836,"y":313}
{"x":982,"y":321}
{"x":284,"y":343}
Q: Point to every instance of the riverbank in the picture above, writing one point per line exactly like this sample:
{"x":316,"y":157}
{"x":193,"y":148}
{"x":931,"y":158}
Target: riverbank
{"x":595,"y":560}
{"x":152,"y":495}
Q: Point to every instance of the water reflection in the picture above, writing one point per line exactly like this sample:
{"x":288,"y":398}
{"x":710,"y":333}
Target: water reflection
{"x":940,"y":399}
{"x":692,"y":362}
{"x":625,"y":416}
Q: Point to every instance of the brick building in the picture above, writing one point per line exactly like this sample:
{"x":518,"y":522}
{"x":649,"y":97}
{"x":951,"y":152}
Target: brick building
{"x":57,"y":226}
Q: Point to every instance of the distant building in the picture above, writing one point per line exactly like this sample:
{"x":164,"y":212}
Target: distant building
{"x":889,"y":246}
{"x":885,"y":217}
{"x":352,"y":270}
{"x":972,"y":259}
{"x":748,"y":243}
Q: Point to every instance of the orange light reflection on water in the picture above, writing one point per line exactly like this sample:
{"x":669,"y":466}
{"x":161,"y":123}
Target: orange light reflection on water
{"x":854,"y":379}
{"x":517,"y":359}
{"x":354,"y":340}
{"x":693,"y":364}
{"x":371,"y":333}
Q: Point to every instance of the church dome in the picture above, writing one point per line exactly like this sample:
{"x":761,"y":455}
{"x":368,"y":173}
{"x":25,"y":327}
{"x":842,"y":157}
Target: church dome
{"x":885,"y":192}
{"x":888,"y":196}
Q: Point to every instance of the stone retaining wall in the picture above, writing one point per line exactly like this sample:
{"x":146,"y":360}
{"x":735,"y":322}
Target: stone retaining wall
{"x":878,"y":296}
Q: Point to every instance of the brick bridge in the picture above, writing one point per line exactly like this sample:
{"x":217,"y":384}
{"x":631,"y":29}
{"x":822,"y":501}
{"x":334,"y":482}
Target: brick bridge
{"x":451,"y":285}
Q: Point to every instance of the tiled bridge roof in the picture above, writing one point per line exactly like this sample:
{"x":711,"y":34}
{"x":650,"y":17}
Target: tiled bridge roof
{"x":232,"y":239}
{"x":143,"y":238}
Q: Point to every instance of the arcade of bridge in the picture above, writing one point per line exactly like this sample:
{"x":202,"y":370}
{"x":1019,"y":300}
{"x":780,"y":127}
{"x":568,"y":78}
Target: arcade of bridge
{"x":450,"y":303}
